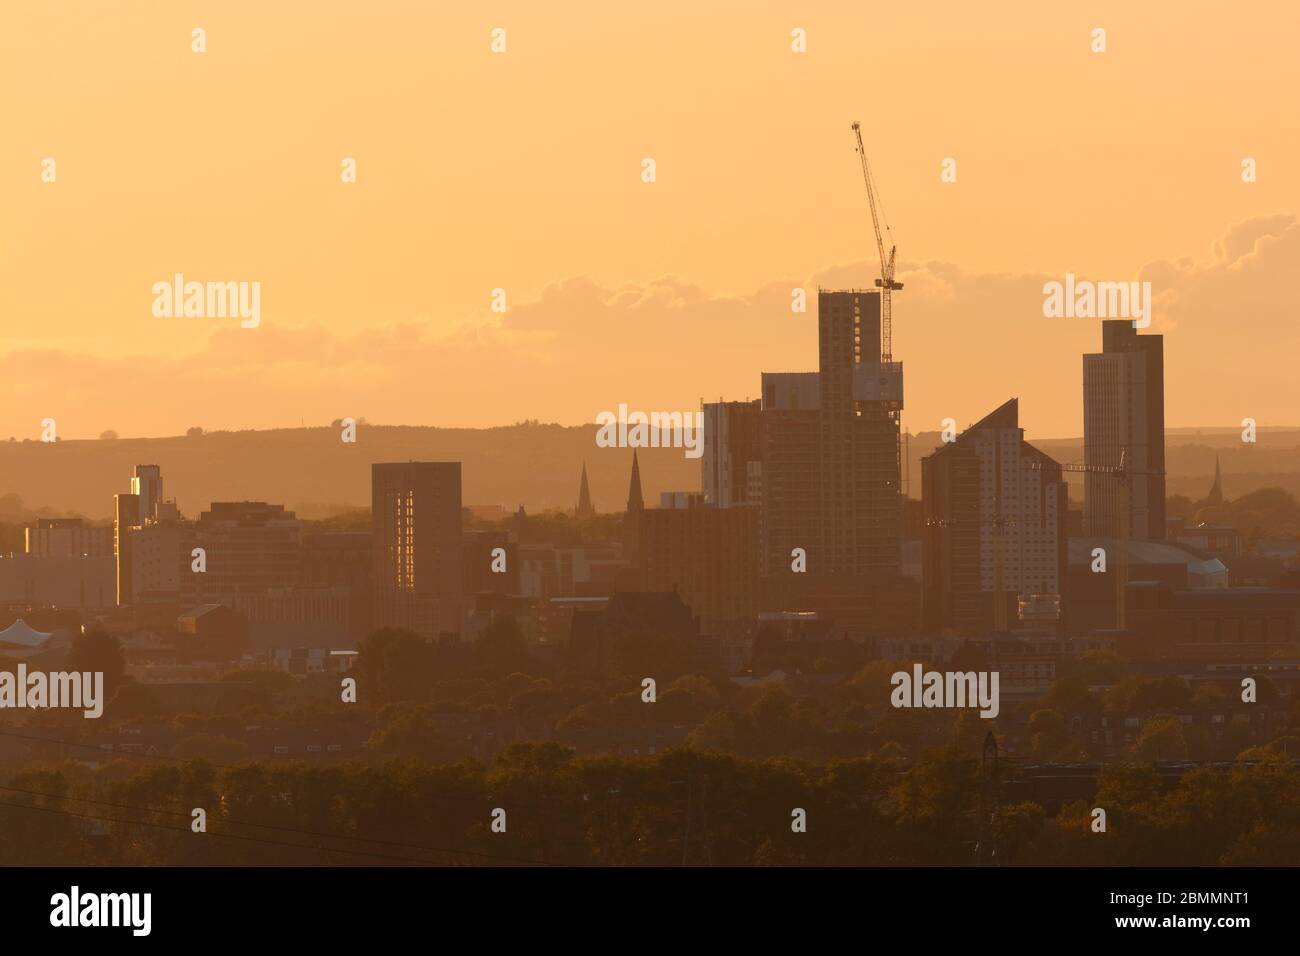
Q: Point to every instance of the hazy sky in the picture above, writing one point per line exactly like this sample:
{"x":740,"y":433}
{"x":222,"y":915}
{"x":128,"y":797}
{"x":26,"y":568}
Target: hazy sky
{"x":522,"y":170}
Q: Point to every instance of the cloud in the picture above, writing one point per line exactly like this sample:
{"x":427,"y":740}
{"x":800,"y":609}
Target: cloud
{"x":1249,"y":286}
{"x":1244,"y":238}
{"x":968,"y":342}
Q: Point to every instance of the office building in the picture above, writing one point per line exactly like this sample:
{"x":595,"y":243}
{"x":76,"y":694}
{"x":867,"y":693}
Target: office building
{"x":142,"y":507}
{"x":68,"y":582}
{"x":994,"y":528}
{"x":147,"y":486}
{"x":708,"y":555}
{"x":491,"y":562}
{"x":1124,"y":422}
{"x":732,"y":447}
{"x":249,"y":547}
{"x":418,"y":551}
{"x":789,"y":468}
{"x":67,"y":538}
{"x":342,"y":559}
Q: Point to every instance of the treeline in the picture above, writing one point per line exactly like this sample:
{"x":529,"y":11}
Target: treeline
{"x":550,"y":807}
{"x":442,"y":703}
{"x":1263,"y":513}
{"x":417,"y":691}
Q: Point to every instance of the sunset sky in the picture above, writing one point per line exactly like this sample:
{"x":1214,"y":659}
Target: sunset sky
{"x":522,"y":170}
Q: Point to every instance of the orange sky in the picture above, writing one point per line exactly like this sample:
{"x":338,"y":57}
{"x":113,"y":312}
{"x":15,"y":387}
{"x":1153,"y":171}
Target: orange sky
{"x":522,"y":170}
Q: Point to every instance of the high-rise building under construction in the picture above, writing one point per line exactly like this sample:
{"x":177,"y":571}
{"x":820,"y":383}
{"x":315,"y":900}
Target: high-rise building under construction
{"x":831,"y":471}
{"x":861,"y":397}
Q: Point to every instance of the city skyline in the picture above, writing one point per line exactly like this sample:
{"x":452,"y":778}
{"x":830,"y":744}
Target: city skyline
{"x":691,"y":435}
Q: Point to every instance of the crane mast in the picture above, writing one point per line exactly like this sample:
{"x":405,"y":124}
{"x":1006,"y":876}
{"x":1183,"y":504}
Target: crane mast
{"x":886,"y":281}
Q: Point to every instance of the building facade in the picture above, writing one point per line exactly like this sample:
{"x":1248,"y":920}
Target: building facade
{"x":732,"y":445}
{"x":994,"y":532}
{"x":1124,"y":422}
{"x":248,"y":547}
{"x":830,"y":473}
{"x":708,"y":555}
{"x":861,"y":399}
{"x":789,"y":469}
{"x":68,"y":538}
{"x":417,"y":548}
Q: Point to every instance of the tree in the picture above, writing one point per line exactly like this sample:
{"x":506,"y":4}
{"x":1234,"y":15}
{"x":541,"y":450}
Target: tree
{"x":1265,"y":845}
{"x":644,"y":652}
{"x":108,"y":435}
{"x":934,"y":801}
{"x":1018,"y":826}
{"x":35,"y":838}
{"x":393,"y":664}
{"x":195,"y":432}
{"x":97,"y":651}
{"x":413,"y":731}
{"x":1161,"y":739}
{"x":214,"y":747}
{"x":1048,"y":733}
{"x":502,"y":648}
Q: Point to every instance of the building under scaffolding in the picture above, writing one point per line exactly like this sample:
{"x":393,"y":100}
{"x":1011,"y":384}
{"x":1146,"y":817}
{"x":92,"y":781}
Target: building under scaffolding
{"x":831,"y":453}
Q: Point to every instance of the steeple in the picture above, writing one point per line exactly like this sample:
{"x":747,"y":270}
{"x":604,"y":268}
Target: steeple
{"x":634,"y":500}
{"x":632,"y":517}
{"x":1215,"y":497}
{"x":584,"y":496}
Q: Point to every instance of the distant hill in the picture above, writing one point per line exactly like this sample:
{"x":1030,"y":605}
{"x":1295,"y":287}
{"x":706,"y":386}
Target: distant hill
{"x":538,"y":466}
{"x":1272,"y":462}
{"x":312,"y":471}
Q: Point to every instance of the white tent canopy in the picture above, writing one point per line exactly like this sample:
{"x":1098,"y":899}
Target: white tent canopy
{"x":20,"y":634}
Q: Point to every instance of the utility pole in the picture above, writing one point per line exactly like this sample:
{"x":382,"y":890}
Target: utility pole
{"x":990,"y":808}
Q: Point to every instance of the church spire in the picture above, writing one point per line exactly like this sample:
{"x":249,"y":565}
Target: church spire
{"x":584,"y":496}
{"x":1215,"y":497}
{"x":634,"y":500}
{"x":632,"y":517}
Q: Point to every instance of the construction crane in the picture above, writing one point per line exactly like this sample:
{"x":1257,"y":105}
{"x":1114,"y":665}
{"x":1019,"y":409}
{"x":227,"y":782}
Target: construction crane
{"x":886,"y":281}
{"x":1123,"y":475}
